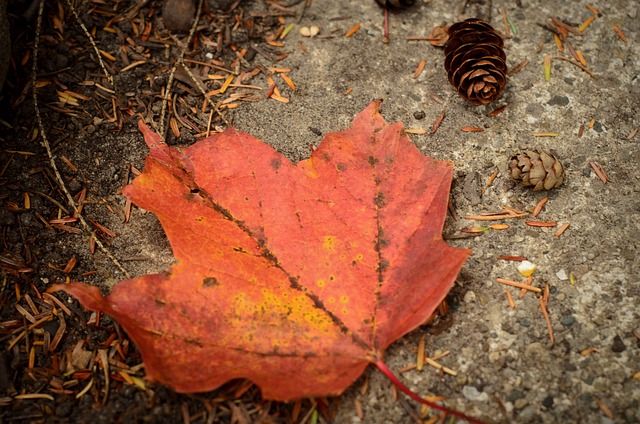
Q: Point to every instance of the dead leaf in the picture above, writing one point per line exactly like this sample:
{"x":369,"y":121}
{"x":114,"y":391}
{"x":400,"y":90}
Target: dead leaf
{"x":295,"y":277}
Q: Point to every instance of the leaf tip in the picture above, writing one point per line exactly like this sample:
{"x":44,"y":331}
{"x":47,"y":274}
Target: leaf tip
{"x":89,"y":296}
{"x":152,"y":139}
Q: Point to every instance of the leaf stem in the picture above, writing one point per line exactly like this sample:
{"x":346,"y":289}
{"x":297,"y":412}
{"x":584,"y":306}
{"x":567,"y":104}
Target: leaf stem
{"x":386,"y":371}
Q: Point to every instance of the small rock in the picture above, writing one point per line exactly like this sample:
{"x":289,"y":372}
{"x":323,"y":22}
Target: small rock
{"x":560,"y":297}
{"x":562,"y":275}
{"x":316,"y":131}
{"x":567,"y":321}
{"x":520,"y":403}
{"x":547,"y":402}
{"x":558,"y":101}
{"x":469,"y":297}
{"x":598,"y":127}
{"x":472,"y":393}
{"x":570,"y":367}
{"x":471,"y":187}
{"x":419,"y":115}
{"x":524,"y":322}
{"x":515,"y":395}
{"x":618,"y":345}
{"x":507,"y":327}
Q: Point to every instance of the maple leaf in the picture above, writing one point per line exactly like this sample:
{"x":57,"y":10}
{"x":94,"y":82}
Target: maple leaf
{"x":292,"y":276}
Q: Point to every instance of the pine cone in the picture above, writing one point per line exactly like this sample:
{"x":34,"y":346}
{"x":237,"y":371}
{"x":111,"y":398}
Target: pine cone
{"x":536,"y":168}
{"x":475,"y":61}
{"x":397,"y":4}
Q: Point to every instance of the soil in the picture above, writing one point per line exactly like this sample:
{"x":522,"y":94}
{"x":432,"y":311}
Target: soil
{"x":507,"y":368}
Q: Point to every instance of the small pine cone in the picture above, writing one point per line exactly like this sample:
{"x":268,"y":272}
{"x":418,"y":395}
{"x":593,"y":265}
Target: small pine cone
{"x":475,"y":61}
{"x":396,"y":4}
{"x":536,"y":168}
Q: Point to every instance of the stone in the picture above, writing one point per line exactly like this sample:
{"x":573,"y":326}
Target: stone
{"x":471,"y":393}
{"x":618,"y":345}
{"x":558,"y":101}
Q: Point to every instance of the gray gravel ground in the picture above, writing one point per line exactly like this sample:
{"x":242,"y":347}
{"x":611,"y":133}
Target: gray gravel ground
{"x":507,"y":369}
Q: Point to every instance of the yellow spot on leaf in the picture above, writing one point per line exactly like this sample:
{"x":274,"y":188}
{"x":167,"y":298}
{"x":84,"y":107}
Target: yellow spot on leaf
{"x":321,"y":283}
{"x":328,"y":243}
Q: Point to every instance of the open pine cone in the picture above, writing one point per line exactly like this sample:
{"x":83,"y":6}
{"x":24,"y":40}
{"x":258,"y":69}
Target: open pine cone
{"x":475,"y":61}
{"x":536,"y":168}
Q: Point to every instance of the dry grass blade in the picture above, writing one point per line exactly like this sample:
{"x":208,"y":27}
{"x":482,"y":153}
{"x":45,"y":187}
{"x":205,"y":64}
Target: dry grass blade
{"x":47,"y":145}
{"x":165,"y":101}
{"x":512,"y":258}
{"x":512,"y":304}
{"x":519,"y":285}
{"x":442,"y":368}
{"x":618,"y":31}
{"x":597,"y":168}
{"x":539,"y":206}
{"x":490,"y":181}
{"x":545,"y":313}
{"x":579,"y":65}
{"x":495,"y":217}
{"x":419,"y":69}
{"x":420,"y":356}
{"x":519,"y":67}
{"x":562,"y":229}
{"x":353,"y":30}
{"x":438,"y":121}
{"x":541,"y":223}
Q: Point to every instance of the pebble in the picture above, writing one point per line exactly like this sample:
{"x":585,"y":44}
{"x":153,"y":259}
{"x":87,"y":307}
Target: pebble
{"x":598,"y":127}
{"x":515,"y":395}
{"x":419,"y":115}
{"x":562,"y":275}
{"x":471,"y":393}
{"x":567,"y":321}
{"x":558,"y":101}
{"x":520,"y":403}
{"x":524,"y":322}
{"x":618,"y":345}
{"x":469,"y":297}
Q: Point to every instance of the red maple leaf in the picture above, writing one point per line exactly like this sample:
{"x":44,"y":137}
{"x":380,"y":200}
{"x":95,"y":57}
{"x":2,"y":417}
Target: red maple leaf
{"x":292,"y":276}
